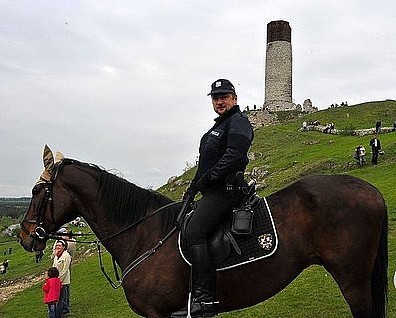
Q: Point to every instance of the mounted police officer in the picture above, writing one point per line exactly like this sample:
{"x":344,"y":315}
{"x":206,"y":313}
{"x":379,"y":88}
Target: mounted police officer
{"x":219,"y":178}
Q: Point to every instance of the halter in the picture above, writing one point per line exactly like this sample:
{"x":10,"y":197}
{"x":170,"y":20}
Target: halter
{"x":39,"y":232}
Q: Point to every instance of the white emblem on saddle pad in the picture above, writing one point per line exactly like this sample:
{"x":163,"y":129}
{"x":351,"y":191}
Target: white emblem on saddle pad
{"x":265,"y":241}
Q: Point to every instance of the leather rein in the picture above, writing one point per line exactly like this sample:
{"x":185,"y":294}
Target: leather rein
{"x":41,"y":234}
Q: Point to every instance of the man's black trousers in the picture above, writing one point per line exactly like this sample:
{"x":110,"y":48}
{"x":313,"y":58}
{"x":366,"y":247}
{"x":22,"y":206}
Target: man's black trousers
{"x":210,"y":211}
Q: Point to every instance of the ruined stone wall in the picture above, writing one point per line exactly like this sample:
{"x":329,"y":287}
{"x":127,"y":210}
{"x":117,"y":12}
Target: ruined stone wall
{"x":308,"y":107}
{"x":262,"y":118}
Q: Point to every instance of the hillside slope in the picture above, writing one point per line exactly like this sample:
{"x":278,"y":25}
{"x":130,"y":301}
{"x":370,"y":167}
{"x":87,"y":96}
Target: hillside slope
{"x":281,"y":154}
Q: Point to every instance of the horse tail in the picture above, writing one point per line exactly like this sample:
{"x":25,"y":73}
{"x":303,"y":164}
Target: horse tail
{"x":379,"y":278}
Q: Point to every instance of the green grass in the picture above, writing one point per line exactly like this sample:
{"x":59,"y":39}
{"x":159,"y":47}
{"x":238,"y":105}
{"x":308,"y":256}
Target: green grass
{"x":21,"y":263}
{"x":288,"y":155}
{"x":91,"y":296}
{"x":300,"y":299}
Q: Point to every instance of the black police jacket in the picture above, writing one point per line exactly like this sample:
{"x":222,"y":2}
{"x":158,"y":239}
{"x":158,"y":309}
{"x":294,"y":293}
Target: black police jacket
{"x":223,"y":150}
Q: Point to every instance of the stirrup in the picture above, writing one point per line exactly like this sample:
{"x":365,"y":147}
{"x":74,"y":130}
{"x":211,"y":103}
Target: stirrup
{"x":204,"y":303}
{"x":206,"y":309}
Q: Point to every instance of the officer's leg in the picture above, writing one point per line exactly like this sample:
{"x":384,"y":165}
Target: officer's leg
{"x":210,"y":212}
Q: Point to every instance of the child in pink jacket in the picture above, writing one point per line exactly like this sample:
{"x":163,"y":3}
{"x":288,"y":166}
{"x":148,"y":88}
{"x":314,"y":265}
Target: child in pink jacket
{"x":52,"y":288}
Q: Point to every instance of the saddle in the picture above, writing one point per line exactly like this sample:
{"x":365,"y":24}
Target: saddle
{"x":229,"y":249}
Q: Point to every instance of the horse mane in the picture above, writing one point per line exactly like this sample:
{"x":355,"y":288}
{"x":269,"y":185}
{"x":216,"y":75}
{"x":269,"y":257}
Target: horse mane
{"x":123,"y":201}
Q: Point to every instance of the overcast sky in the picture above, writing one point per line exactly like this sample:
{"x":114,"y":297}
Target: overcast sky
{"x":123,"y":84}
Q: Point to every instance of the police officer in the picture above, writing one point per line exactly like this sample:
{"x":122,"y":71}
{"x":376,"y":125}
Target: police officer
{"x":222,"y":161}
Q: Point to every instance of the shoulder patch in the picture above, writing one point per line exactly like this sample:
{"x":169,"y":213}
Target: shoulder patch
{"x":215,"y":133}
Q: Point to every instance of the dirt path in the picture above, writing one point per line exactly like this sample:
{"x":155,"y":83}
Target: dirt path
{"x":10,"y":289}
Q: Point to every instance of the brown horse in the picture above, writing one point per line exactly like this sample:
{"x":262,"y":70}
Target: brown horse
{"x":339,"y":222}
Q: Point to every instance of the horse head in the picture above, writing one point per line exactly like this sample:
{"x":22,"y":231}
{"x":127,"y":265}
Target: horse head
{"x":45,"y":215}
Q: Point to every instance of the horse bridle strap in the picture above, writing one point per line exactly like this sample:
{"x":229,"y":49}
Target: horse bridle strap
{"x":39,"y":232}
{"x":132,"y":265}
{"x":138,"y":222}
{"x":141,"y":258}
{"x":146,"y":255}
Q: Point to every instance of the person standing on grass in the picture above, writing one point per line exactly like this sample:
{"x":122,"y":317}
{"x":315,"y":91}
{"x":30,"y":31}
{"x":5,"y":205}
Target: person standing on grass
{"x":71,"y":249}
{"x":375,"y":145}
{"x":52,"y":290}
{"x":62,"y":262}
{"x":360,"y":154}
{"x":378,"y":125}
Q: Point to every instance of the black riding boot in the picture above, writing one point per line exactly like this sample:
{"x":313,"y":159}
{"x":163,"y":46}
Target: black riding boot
{"x":202,"y":294}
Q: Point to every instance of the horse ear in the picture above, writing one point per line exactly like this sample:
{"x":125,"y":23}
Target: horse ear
{"x":59,"y":156}
{"x":48,"y":159}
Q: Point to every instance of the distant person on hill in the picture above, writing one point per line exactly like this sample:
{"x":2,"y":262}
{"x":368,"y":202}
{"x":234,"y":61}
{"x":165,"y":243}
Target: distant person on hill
{"x":378,"y":127}
{"x":327,"y":129}
{"x":62,"y":262}
{"x":360,"y":154}
{"x":4,"y":266}
{"x":375,"y":145}
{"x":39,"y":256}
{"x":52,"y":290}
{"x":305,"y":126}
{"x":394,"y":126}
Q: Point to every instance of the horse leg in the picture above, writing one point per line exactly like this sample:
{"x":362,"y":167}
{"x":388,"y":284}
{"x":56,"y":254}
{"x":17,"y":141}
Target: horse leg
{"x":364,"y":285}
{"x":355,"y":284}
{"x":352,"y":270}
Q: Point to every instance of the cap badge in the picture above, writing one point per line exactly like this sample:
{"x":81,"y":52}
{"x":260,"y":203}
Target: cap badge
{"x":218,"y":84}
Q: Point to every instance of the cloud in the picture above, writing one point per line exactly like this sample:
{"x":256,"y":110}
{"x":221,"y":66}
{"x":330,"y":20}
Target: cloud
{"x":123,"y":84}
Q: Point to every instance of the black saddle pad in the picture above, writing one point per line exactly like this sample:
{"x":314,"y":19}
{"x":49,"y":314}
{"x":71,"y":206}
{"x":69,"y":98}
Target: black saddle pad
{"x":261,"y":243}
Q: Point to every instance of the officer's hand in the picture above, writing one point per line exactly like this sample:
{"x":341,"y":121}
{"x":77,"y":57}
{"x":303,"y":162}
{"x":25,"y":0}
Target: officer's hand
{"x":189,"y":194}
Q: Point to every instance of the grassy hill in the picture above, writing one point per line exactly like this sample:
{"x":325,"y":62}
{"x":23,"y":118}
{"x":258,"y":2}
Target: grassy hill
{"x":286,"y":154}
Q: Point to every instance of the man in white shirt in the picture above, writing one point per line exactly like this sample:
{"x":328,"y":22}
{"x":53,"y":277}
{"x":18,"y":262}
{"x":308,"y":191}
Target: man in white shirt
{"x":62,"y":260}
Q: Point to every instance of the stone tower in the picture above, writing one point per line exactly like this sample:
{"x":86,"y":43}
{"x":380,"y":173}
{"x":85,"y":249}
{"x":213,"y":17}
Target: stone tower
{"x":278,"y":67}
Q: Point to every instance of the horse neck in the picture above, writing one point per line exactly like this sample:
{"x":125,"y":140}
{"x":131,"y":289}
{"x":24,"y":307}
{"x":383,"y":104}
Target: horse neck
{"x":110,"y":204}
{"x":135,"y":240}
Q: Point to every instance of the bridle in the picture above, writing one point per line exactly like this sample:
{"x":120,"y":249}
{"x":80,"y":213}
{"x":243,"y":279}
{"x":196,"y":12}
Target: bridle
{"x":41,"y":234}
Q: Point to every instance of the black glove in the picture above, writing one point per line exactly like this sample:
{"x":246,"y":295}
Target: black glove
{"x":190,"y":193}
{"x":188,"y":199}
